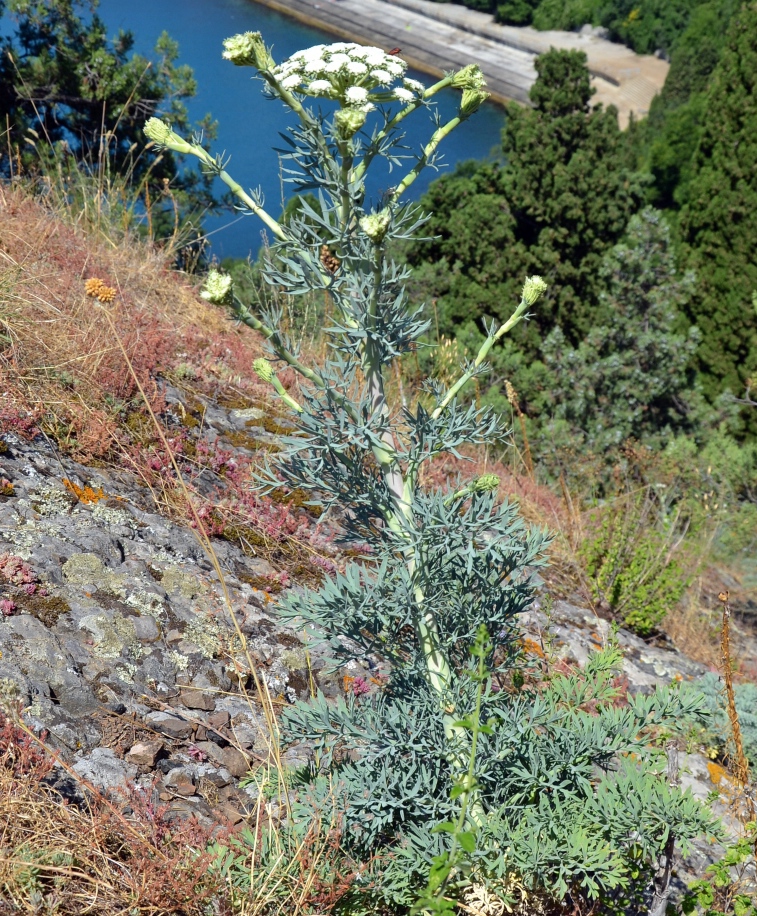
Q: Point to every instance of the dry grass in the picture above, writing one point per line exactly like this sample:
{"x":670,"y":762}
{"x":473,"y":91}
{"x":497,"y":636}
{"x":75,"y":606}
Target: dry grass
{"x":89,"y":854}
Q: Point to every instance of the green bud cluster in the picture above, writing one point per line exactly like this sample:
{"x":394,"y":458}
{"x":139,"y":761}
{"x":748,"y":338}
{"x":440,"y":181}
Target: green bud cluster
{"x":248,"y":50}
{"x":218,"y":288}
{"x":533,"y":289}
{"x":161,"y":134}
{"x":376,"y":225}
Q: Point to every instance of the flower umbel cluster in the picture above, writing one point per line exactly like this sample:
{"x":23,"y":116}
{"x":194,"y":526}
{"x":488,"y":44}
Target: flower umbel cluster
{"x":348,"y":73}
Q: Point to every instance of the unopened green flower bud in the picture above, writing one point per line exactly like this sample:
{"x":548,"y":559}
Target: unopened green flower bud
{"x":533,"y":289}
{"x":263,"y":369}
{"x":375,"y":225}
{"x":471,"y":101}
{"x":160,"y":133}
{"x":486,"y":483}
{"x":349,"y":121}
{"x":217,"y":288}
{"x":248,"y":50}
{"x":469,"y":77}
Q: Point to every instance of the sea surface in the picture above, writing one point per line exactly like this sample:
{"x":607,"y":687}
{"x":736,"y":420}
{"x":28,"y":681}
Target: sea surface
{"x":248,"y":124}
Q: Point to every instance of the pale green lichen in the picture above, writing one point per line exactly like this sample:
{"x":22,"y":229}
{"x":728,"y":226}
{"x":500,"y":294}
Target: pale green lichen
{"x":204,"y":635}
{"x":146,"y":603}
{"x":111,"y":637}
{"x":50,"y":500}
{"x":294,"y":659}
{"x":26,"y":537}
{"x":88,"y":569}
{"x":179,"y":661}
{"x":9,"y":696}
{"x":113,"y":517}
{"x":176,"y":580}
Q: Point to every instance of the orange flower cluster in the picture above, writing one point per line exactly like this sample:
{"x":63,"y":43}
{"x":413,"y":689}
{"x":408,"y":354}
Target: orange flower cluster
{"x":98,"y":290}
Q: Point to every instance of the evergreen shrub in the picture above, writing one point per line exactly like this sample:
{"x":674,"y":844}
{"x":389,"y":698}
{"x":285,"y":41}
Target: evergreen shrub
{"x":554,"y":774}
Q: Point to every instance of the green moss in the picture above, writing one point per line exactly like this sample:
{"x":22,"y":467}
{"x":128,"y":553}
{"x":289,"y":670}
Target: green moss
{"x":7,"y":489}
{"x":242,"y":439}
{"x":235,"y":402}
{"x":245,"y":537}
{"x":46,"y":609}
{"x":262,"y":583}
{"x":4,"y":450}
{"x":297,"y":499}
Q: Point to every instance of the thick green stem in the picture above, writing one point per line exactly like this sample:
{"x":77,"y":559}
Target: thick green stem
{"x":362,"y":168}
{"x":516,"y":316}
{"x":428,"y":150}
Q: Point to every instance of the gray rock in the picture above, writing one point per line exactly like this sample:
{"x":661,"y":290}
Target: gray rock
{"x":104,"y":770}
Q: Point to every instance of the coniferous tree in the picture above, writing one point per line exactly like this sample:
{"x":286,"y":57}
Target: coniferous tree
{"x":719,"y":224}
{"x":70,"y":93}
{"x":563,"y":198}
{"x":630,"y":377}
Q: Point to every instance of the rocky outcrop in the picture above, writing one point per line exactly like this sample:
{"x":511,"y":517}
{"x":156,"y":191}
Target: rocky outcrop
{"x":118,"y":638}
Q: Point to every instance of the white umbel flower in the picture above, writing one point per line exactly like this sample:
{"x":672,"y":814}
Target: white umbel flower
{"x":320,"y":86}
{"x":382,"y":77}
{"x":292,"y":81}
{"x":356,"y":95}
{"x":404,"y":95}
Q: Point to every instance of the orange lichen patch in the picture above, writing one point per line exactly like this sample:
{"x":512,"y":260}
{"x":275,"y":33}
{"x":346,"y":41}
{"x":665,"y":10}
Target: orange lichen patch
{"x":717,"y":773}
{"x":84,"y":494}
{"x":95,"y":288}
{"x":532,"y":647}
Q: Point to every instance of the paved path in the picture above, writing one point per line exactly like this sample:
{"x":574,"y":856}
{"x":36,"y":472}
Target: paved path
{"x":437,"y":37}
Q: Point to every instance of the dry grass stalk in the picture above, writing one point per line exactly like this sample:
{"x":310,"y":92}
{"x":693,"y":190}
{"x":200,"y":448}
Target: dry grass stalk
{"x":740,"y":763}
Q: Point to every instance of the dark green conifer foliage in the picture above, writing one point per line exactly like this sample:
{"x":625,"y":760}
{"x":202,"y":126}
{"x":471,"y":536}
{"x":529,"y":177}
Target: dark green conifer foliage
{"x":719,"y":224}
{"x":63,"y":80}
{"x":630,"y":377}
{"x":564,"y":197}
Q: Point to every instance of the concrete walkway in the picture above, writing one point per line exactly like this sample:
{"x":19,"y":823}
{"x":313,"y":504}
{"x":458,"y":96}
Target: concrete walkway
{"x":438,"y":37}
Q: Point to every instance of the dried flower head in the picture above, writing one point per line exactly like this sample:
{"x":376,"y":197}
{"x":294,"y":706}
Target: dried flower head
{"x":329,"y":260}
{"x":95,"y":288}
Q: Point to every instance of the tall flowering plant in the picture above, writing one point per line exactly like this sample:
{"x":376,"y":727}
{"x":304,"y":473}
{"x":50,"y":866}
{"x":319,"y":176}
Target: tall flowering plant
{"x":395,"y":761}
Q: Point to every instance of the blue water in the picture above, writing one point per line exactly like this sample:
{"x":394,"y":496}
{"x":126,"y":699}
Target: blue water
{"x":248,"y":124}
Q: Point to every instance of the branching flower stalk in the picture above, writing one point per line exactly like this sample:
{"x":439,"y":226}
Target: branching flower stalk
{"x":351,"y":81}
